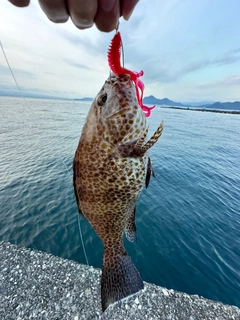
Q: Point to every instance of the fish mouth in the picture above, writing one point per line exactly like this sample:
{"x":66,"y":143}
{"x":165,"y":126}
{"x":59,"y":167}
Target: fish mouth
{"x":119,"y":112}
{"x":122,"y":78}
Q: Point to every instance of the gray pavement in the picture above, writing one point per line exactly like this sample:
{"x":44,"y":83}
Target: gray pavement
{"x":36,"y":285}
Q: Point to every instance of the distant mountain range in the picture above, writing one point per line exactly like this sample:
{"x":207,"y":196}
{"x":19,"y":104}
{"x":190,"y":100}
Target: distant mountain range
{"x":165,"y":102}
{"x":216,"y":105}
{"x":223,"y":105}
{"x":153,"y":101}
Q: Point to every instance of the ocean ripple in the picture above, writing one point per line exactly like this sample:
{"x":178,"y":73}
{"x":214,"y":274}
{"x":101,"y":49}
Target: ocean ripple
{"x":188,"y":219}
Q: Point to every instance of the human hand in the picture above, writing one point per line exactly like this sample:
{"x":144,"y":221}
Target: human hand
{"x":84,"y":13}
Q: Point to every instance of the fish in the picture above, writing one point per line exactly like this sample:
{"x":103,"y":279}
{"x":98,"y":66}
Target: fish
{"x":110,"y":167}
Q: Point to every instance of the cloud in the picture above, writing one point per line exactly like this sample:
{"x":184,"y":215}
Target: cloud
{"x":194,"y":66}
{"x":225,"y":89}
{"x":77,"y":64}
{"x":228,"y":58}
{"x":164,"y":71}
{"x":228,"y":81}
{"x":167,"y":40}
{"x":8,"y":89}
{"x":4,"y":70}
{"x":96,"y":45}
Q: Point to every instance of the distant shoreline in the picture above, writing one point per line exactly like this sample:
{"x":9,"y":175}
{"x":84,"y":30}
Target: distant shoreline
{"x":204,"y":110}
{"x":161,"y":106}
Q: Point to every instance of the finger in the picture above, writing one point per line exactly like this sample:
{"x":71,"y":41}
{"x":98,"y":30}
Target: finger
{"x":127,"y":7}
{"x":82,"y":12}
{"x":20,"y":3}
{"x":56,"y":10}
{"x":107,"y":15}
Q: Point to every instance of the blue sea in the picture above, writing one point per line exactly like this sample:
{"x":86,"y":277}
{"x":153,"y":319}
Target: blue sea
{"x":188,"y":220}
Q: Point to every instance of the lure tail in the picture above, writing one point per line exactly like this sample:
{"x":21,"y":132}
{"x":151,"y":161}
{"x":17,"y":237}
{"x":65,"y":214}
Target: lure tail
{"x":114,"y":56}
{"x":120,"y":277}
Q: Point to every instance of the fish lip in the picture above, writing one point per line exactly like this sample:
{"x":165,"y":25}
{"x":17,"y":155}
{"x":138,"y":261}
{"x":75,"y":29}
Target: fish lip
{"x":113,"y":78}
{"x":123,"y":110}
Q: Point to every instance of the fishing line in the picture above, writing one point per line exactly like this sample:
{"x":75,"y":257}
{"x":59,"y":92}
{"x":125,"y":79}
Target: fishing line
{"x":81,"y":236}
{"x":117,"y":27}
{"x":34,"y":117}
{"x":122,"y":50}
{"x":5,"y":56}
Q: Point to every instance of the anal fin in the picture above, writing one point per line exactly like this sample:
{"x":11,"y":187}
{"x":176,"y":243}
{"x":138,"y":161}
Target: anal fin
{"x":130,"y":228}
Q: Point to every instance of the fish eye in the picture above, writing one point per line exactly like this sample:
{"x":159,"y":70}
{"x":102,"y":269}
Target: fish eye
{"x":102,"y":99}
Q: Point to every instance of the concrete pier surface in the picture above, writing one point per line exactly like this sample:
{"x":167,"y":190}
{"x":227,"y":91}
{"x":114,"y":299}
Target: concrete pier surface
{"x":37,"y":285}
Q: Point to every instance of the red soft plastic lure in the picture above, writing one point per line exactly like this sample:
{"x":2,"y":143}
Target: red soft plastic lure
{"x":114,"y":55}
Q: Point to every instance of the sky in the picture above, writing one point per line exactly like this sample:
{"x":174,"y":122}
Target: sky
{"x":189,"y":51}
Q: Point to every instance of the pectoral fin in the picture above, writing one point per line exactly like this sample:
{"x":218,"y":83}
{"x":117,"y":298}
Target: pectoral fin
{"x":140,"y":149}
{"x":127,"y":148}
{"x":157,"y":134}
{"x":131,"y":147}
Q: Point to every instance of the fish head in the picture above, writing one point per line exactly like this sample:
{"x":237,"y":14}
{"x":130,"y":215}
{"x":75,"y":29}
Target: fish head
{"x":115,"y":115}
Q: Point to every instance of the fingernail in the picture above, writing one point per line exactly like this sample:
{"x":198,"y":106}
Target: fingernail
{"x":107,"y":5}
{"x":132,"y":5}
{"x":127,"y":16}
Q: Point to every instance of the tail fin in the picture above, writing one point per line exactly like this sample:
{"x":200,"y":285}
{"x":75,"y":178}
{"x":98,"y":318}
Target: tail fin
{"x":120,"y":278}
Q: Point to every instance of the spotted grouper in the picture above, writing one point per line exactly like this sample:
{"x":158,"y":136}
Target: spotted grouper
{"x":110,"y":167}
